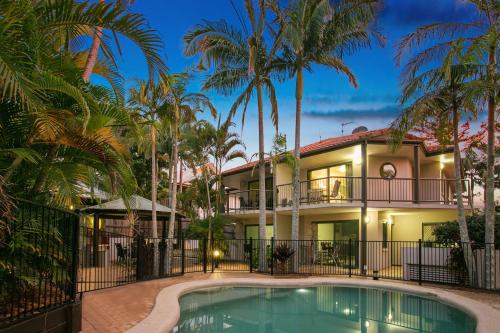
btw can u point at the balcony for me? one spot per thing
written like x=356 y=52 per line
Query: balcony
x=247 y=200
x=337 y=190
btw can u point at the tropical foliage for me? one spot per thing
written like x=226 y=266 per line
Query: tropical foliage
x=458 y=73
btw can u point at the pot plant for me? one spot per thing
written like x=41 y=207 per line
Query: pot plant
x=282 y=253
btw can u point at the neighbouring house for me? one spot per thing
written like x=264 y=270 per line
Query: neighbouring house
x=352 y=187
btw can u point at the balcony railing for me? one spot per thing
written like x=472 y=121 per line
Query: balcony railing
x=323 y=190
x=237 y=201
x=349 y=189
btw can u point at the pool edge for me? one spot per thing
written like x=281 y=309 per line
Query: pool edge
x=166 y=311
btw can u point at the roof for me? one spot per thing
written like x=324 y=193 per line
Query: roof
x=379 y=135
x=136 y=203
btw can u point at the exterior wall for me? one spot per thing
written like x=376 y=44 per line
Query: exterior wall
x=283 y=174
x=430 y=170
x=403 y=166
x=409 y=227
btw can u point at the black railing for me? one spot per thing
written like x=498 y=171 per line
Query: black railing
x=39 y=253
x=417 y=261
x=237 y=201
x=338 y=190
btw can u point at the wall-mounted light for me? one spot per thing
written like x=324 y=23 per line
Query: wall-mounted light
x=357 y=158
x=441 y=165
x=367 y=324
x=342 y=168
x=367 y=219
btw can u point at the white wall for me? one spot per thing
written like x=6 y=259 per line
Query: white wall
x=409 y=227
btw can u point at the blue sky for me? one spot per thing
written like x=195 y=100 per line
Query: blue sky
x=329 y=100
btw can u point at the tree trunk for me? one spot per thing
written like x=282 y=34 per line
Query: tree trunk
x=489 y=205
x=173 y=193
x=154 y=185
x=209 y=211
x=262 y=185
x=94 y=51
x=299 y=86
x=180 y=175
x=41 y=179
x=462 y=223
x=10 y=170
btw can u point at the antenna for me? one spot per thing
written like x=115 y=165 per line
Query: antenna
x=345 y=124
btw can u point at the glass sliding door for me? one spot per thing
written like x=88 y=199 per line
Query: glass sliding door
x=333 y=242
x=331 y=184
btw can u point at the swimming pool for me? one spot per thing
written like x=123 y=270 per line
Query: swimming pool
x=324 y=308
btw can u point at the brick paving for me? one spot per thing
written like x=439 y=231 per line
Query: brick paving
x=119 y=308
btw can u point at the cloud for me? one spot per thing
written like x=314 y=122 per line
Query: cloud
x=387 y=113
x=332 y=99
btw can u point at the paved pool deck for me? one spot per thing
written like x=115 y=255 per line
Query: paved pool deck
x=120 y=308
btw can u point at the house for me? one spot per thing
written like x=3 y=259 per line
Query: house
x=352 y=187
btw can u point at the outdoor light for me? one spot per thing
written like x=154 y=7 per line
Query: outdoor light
x=367 y=219
x=302 y=290
x=441 y=165
x=347 y=311
x=357 y=155
x=216 y=258
x=367 y=324
x=342 y=168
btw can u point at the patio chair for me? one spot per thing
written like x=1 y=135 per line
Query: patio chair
x=243 y=203
x=335 y=189
x=120 y=251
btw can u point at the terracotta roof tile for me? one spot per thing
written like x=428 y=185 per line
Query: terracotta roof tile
x=332 y=143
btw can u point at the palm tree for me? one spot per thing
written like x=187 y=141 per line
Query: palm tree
x=135 y=29
x=320 y=32
x=474 y=44
x=241 y=59
x=225 y=149
x=440 y=93
x=148 y=100
x=199 y=143
x=180 y=105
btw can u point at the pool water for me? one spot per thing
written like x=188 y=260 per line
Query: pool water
x=317 y=309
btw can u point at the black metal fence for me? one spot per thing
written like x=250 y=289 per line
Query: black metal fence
x=38 y=260
x=46 y=258
x=129 y=260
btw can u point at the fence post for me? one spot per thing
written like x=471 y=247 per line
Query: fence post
x=205 y=243
x=350 y=257
x=420 y=261
x=140 y=258
x=272 y=255
x=251 y=255
x=212 y=253
x=183 y=252
x=74 y=259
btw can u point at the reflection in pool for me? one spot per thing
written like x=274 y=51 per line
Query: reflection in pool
x=317 y=309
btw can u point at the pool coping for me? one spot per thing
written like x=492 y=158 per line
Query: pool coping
x=166 y=311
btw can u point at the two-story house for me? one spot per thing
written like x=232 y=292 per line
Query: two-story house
x=352 y=187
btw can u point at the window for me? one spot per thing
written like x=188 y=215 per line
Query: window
x=387 y=170
x=252 y=231
x=428 y=233
x=331 y=183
